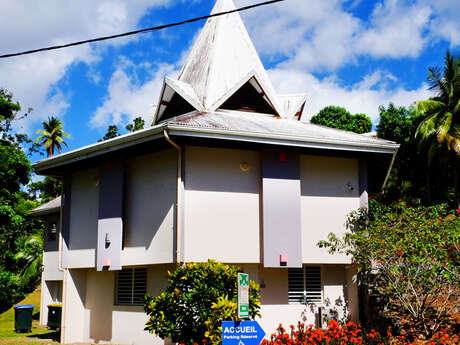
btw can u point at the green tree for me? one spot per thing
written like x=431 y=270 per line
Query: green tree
x=199 y=296
x=30 y=258
x=340 y=118
x=138 y=123
x=47 y=189
x=438 y=133
x=112 y=132
x=409 y=254
x=15 y=224
x=395 y=124
x=52 y=135
x=441 y=114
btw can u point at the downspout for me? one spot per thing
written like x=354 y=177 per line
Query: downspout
x=180 y=188
x=389 y=170
x=64 y=271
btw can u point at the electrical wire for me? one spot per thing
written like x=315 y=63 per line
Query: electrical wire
x=155 y=28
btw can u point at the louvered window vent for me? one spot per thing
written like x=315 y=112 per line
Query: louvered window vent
x=304 y=285
x=131 y=286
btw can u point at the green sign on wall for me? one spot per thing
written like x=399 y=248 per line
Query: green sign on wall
x=243 y=295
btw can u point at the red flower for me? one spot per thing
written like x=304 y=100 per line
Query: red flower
x=400 y=252
x=458 y=210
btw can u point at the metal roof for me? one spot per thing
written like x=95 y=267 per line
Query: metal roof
x=294 y=133
x=232 y=125
x=52 y=206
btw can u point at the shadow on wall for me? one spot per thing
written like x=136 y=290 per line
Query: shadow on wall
x=99 y=302
x=222 y=170
x=329 y=177
x=150 y=196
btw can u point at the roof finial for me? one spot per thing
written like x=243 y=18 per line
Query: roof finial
x=223 y=6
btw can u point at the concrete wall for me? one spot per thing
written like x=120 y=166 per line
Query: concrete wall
x=274 y=297
x=96 y=319
x=75 y=325
x=149 y=220
x=51 y=249
x=326 y=201
x=91 y=315
x=80 y=251
x=221 y=205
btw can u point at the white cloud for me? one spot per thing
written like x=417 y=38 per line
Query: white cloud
x=446 y=24
x=128 y=98
x=396 y=29
x=27 y=25
x=325 y=35
x=362 y=97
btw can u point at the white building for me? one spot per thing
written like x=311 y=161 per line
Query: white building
x=226 y=172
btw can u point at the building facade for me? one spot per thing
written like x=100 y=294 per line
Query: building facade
x=228 y=171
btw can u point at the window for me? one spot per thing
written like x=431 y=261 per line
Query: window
x=131 y=286
x=304 y=285
x=51 y=230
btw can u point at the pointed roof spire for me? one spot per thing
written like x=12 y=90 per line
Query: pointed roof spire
x=223 y=55
x=222 y=60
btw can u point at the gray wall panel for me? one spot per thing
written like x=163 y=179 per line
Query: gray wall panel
x=65 y=219
x=281 y=209
x=110 y=222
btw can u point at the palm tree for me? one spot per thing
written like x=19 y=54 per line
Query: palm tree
x=439 y=130
x=31 y=257
x=441 y=123
x=51 y=135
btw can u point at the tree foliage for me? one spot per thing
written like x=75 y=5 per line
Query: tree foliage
x=47 y=190
x=409 y=254
x=340 y=118
x=138 y=124
x=199 y=296
x=15 y=224
x=112 y=130
x=412 y=178
x=438 y=132
x=440 y=127
x=52 y=135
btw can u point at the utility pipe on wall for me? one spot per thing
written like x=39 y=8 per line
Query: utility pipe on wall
x=180 y=188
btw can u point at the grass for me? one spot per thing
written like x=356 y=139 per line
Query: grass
x=40 y=334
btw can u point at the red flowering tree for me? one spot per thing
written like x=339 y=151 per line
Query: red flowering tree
x=409 y=254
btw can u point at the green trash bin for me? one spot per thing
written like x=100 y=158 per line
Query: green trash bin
x=54 y=316
x=23 y=318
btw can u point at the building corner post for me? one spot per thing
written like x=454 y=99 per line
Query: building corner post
x=179 y=201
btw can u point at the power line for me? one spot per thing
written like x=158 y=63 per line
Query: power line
x=155 y=28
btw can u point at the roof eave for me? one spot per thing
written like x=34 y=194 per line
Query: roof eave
x=99 y=148
x=282 y=139
x=44 y=212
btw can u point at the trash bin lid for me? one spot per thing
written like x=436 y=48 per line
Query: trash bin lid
x=24 y=306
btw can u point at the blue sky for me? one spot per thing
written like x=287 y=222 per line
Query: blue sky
x=356 y=53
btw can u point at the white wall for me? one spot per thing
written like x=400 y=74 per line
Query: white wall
x=75 y=324
x=81 y=252
x=274 y=297
x=221 y=205
x=325 y=202
x=149 y=219
x=51 y=266
x=109 y=323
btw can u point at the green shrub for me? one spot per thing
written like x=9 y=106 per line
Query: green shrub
x=409 y=254
x=199 y=296
x=10 y=290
